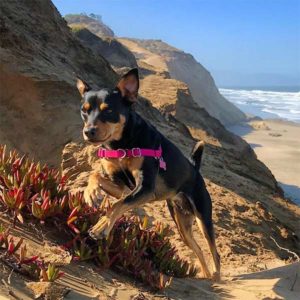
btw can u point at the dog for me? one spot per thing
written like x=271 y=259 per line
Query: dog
x=140 y=165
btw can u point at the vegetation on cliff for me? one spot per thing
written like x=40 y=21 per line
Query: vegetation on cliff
x=30 y=192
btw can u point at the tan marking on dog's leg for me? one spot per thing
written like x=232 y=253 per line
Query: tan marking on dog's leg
x=113 y=189
x=97 y=183
x=184 y=222
x=137 y=197
x=213 y=249
x=106 y=223
x=117 y=210
x=92 y=193
x=120 y=207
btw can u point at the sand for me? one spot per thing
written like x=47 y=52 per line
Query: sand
x=83 y=282
x=277 y=144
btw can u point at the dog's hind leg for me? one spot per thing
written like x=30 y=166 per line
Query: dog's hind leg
x=207 y=230
x=182 y=214
x=202 y=207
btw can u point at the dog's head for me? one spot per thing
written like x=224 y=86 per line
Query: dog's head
x=105 y=112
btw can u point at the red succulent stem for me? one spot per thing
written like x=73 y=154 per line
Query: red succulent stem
x=73 y=213
x=29 y=260
x=11 y=246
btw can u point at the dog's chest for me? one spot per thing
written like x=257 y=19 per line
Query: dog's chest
x=113 y=166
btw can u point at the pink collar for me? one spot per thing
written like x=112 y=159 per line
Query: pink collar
x=134 y=152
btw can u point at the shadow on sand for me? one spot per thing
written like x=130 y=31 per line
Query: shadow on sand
x=288 y=280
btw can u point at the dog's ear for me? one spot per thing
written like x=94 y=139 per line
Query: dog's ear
x=129 y=85
x=82 y=86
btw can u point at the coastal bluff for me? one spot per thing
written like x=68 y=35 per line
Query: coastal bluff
x=40 y=117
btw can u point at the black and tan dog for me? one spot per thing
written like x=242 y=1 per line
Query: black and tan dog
x=110 y=122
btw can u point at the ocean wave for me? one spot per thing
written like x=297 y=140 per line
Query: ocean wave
x=266 y=104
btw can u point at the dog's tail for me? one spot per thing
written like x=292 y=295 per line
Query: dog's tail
x=197 y=154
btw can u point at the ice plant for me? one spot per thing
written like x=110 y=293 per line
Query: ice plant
x=30 y=266
x=144 y=253
x=35 y=192
x=15 y=199
x=82 y=251
x=50 y=274
x=23 y=259
x=44 y=206
x=3 y=236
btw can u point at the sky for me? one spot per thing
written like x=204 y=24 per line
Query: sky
x=241 y=42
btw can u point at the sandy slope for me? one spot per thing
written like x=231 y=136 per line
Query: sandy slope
x=277 y=144
x=83 y=281
x=278 y=283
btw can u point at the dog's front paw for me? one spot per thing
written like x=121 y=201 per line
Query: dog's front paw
x=99 y=230
x=93 y=195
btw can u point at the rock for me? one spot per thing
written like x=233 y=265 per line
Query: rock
x=111 y=49
x=92 y=22
x=183 y=66
x=47 y=290
x=275 y=134
x=39 y=102
x=259 y=125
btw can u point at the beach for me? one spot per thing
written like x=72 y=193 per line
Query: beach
x=277 y=144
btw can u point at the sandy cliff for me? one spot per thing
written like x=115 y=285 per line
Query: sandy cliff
x=110 y=48
x=93 y=23
x=39 y=107
x=163 y=58
x=183 y=66
x=39 y=62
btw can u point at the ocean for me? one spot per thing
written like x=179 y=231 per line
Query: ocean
x=267 y=103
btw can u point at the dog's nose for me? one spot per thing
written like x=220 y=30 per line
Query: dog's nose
x=90 y=132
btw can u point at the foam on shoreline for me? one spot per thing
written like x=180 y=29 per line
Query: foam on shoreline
x=266 y=104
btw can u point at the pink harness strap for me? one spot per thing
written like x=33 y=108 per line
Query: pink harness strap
x=134 y=152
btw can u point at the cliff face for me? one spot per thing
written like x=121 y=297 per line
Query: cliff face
x=182 y=66
x=92 y=22
x=111 y=49
x=163 y=58
x=38 y=66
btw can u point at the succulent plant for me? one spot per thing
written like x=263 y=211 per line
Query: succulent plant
x=51 y=274
x=30 y=190
x=31 y=266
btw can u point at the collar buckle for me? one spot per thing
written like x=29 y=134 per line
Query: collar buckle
x=138 y=150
